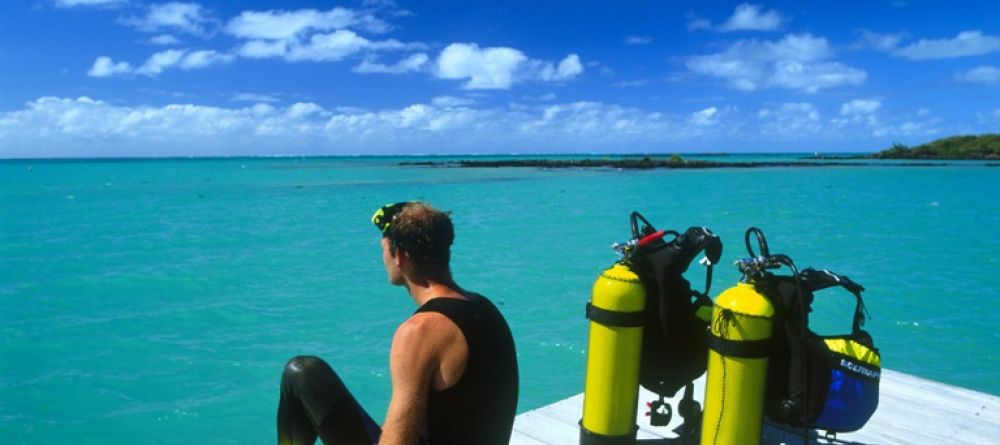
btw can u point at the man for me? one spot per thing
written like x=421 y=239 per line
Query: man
x=452 y=363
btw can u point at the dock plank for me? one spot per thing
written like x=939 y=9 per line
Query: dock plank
x=912 y=410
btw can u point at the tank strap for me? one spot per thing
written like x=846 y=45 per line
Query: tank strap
x=615 y=318
x=740 y=348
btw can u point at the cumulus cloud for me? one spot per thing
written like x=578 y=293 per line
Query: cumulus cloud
x=858 y=112
x=500 y=67
x=330 y=47
x=414 y=62
x=335 y=46
x=262 y=49
x=164 y=39
x=158 y=62
x=966 y=43
x=190 y=18
x=487 y=68
x=451 y=101
x=104 y=67
x=100 y=3
x=87 y=127
x=204 y=58
x=637 y=40
x=797 y=61
x=567 y=69
x=704 y=118
x=790 y=120
x=312 y=35
x=286 y=25
x=986 y=75
x=859 y=107
x=254 y=97
x=749 y=17
x=877 y=41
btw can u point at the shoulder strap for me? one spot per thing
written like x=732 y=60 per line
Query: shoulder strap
x=821 y=279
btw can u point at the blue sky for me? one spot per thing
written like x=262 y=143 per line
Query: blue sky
x=138 y=78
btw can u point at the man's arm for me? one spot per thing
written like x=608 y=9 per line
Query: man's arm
x=413 y=360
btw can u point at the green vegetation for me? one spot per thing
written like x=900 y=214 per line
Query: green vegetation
x=986 y=146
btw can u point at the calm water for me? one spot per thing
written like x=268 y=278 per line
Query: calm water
x=156 y=301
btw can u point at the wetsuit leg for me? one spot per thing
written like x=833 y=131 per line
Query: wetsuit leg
x=315 y=403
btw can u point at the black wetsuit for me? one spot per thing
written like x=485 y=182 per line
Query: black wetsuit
x=479 y=409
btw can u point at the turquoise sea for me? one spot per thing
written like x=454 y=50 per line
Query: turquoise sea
x=155 y=301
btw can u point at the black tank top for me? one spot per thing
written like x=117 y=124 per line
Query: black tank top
x=479 y=409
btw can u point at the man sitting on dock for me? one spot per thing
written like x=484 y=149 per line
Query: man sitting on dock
x=452 y=363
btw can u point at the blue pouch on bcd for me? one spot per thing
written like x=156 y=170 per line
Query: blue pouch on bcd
x=838 y=375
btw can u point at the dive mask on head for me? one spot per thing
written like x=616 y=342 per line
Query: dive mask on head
x=382 y=218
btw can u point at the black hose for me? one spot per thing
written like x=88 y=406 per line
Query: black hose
x=761 y=241
x=633 y=219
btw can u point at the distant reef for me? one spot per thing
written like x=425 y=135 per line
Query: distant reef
x=647 y=162
x=982 y=147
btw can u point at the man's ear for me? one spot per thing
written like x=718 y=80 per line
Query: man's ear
x=398 y=257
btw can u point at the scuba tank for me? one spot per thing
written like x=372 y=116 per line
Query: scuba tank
x=739 y=344
x=611 y=390
x=646 y=327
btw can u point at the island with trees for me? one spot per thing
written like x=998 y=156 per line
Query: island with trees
x=982 y=147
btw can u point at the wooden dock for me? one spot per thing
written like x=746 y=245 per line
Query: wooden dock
x=911 y=410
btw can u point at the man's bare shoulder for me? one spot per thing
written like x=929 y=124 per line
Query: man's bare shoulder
x=425 y=328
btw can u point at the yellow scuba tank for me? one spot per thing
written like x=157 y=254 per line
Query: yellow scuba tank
x=611 y=390
x=738 y=343
x=737 y=367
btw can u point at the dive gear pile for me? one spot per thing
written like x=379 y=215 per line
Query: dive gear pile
x=648 y=327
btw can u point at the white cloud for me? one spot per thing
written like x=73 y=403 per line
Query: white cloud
x=790 y=120
x=704 y=117
x=858 y=112
x=966 y=43
x=797 y=61
x=637 y=40
x=287 y=25
x=487 y=68
x=986 y=75
x=329 y=47
x=451 y=101
x=567 y=69
x=164 y=39
x=156 y=63
x=414 y=62
x=262 y=49
x=254 y=97
x=171 y=58
x=877 y=41
x=100 y=3
x=631 y=83
x=87 y=127
x=104 y=67
x=499 y=68
x=204 y=58
x=189 y=18
x=749 y=17
x=860 y=106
